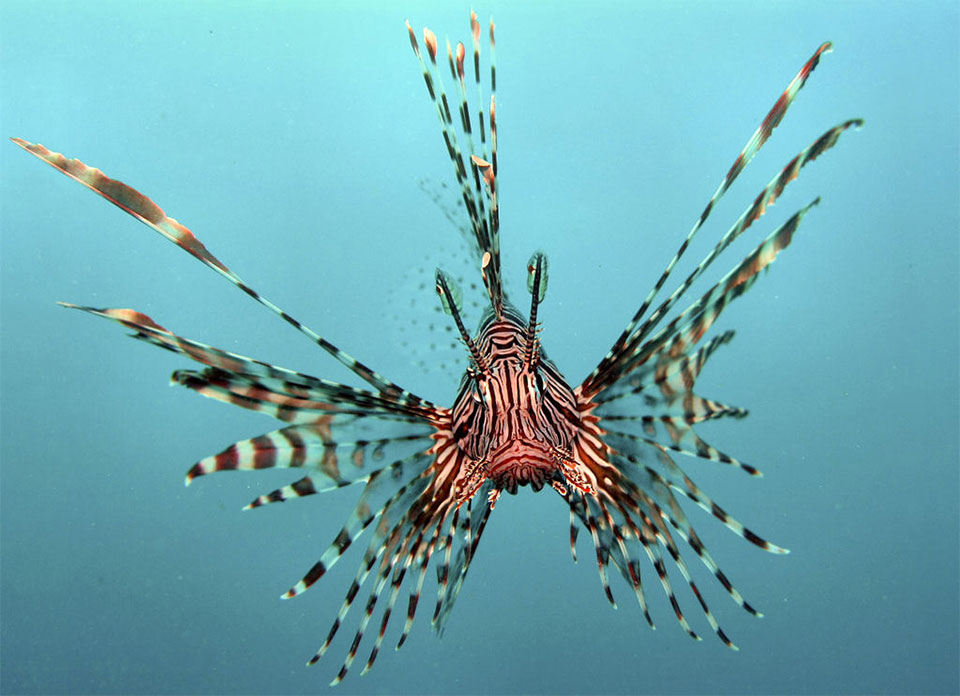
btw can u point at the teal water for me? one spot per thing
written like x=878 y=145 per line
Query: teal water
x=290 y=138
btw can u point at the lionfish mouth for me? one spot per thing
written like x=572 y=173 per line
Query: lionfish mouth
x=521 y=462
x=534 y=476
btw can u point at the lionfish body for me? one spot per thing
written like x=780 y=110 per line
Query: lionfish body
x=432 y=475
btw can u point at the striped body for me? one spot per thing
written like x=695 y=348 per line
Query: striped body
x=516 y=420
x=430 y=475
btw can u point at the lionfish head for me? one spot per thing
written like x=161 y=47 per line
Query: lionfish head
x=515 y=417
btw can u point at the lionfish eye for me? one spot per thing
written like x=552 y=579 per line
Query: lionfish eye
x=476 y=393
x=538 y=382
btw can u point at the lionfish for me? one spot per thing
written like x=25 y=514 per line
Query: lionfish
x=432 y=475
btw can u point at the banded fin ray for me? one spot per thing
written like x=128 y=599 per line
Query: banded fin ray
x=766 y=198
x=677 y=437
x=291 y=405
x=381 y=495
x=228 y=367
x=476 y=175
x=450 y=576
x=667 y=375
x=149 y=213
x=405 y=534
x=332 y=463
x=658 y=399
x=753 y=145
x=688 y=327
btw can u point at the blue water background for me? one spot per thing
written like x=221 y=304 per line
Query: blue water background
x=290 y=138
